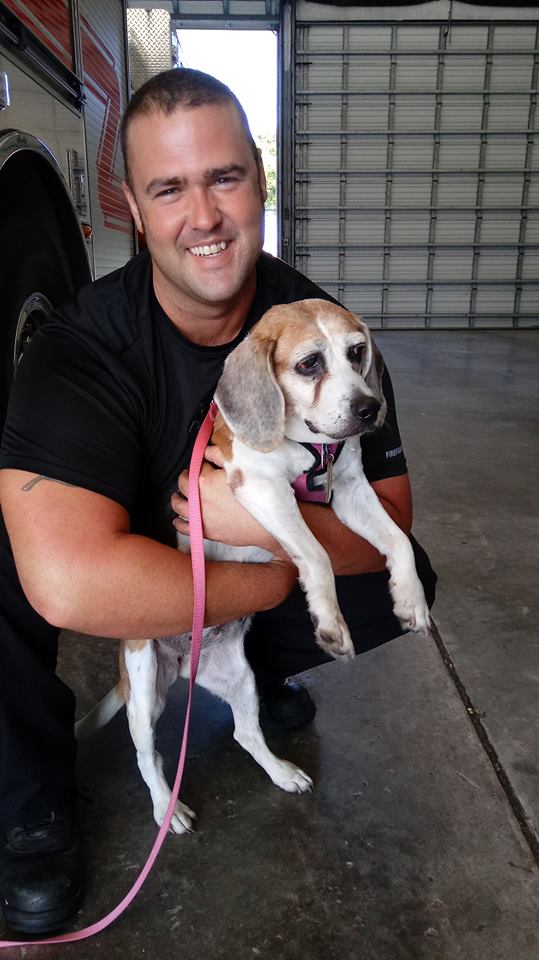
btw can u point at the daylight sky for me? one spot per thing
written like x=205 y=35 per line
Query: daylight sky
x=246 y=60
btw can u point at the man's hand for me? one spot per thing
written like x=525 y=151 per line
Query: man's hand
x=223 y=517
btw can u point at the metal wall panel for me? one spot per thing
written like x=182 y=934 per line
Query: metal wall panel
x=416 y=167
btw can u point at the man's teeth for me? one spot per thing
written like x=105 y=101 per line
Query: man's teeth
x=208 y=251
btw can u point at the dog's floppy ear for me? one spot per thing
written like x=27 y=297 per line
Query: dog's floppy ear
x=373 y=376
x=249 y=397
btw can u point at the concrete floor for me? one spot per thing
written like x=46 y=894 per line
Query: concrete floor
x=421 y=838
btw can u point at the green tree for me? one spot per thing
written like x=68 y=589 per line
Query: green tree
x=268 y=146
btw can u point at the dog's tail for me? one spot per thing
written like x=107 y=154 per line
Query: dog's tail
x=100 y=715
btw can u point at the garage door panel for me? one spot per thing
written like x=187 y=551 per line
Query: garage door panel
x=413 y=153
x=364 y=265
x=367 y=192
x=454 y=227
x=456 y=190
x=461 y=113
x=464 y=72
x=452 y=301
x=499 y=191
x=364 y=227
x=454 y=265
x=417 y=37
x=367 y=114
x=418 y=140
x=496 y=263
x=363 y=300
x=532 y=227
x=500 y=227
x=416 y=72
x=509 y=113
x=408 y=227
x=456 y=151
x=414 y=113
x=529 y=299
x=324 y=228
x=365 y=154
x=406 y=303
x=372 y=73
x=414 y=190
x=513 y=70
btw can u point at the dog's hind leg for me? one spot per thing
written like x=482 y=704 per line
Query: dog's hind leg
x=225 y=672
x=145 y=703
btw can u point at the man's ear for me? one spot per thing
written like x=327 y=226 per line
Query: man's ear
x=261 y=175
x=135 y=213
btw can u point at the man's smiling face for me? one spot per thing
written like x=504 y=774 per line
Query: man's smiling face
x=196 y=191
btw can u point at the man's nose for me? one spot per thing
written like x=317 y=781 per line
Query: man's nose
x=203 y=212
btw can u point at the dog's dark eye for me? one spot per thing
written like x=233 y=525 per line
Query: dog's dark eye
x=310 y=364
x=355 y=353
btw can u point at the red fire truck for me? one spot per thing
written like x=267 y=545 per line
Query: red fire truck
x=63 y=217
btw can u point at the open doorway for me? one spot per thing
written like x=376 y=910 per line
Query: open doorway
x=246 y=60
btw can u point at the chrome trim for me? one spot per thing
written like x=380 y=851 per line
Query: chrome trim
x=4 y=90
x=15 y=141
x=28 y=322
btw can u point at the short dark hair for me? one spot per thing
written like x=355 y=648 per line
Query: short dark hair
x=180 y=87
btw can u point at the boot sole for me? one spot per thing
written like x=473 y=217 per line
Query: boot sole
x=49 y=921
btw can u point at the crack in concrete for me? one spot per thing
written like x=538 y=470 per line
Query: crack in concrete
x=516 y=806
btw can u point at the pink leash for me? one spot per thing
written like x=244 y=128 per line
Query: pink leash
x=199 y=603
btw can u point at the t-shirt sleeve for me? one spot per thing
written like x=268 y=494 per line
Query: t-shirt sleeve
x=73 y=415
x=382 y=451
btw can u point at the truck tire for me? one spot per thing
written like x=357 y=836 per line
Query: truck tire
x=34 y=278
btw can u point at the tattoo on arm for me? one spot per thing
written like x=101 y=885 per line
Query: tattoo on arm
x=31 y=483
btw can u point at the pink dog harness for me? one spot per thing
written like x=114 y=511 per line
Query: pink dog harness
x=315 y=484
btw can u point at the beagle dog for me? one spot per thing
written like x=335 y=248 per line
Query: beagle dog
x=294 y=400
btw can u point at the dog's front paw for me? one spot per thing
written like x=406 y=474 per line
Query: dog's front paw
x=290 y=778
x=182 y=819
x=409 y=604
x=334 y=638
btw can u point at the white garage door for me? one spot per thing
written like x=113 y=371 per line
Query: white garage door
x=415 y=172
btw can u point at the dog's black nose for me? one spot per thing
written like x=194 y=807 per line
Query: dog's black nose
x=366 y=409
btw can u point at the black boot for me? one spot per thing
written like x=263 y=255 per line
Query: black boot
x=286 y=703
x=41 y=874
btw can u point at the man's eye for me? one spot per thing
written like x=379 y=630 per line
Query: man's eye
x=310 y=364
x=355 y=353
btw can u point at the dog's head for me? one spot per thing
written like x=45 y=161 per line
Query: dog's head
x=308 y=371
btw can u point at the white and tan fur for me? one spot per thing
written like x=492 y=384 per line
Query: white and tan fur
x=308 y=372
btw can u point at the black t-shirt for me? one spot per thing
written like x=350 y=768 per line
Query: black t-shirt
x=109 y=394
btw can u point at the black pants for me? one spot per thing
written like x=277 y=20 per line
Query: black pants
x=37 y=745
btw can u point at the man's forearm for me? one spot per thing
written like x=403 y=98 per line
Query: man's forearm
x=81 y=568
x=140 y=588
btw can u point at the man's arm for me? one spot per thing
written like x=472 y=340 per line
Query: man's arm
x=225 y=519
x=349 y=553
x=82 y=569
